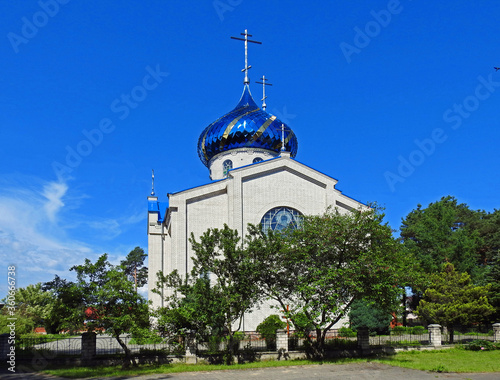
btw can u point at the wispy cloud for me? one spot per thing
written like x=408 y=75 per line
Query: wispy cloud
x=30 y=234
x=38 y=224
x=54 y=192
x=43 y=231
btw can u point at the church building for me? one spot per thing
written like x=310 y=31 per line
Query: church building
x=250 y=155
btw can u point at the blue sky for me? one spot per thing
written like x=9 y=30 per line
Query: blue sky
x=398 y=100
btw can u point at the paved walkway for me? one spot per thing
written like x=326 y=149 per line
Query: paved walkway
x=359 y=371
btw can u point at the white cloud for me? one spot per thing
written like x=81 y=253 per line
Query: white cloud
x=54 y=191
x=30 y=236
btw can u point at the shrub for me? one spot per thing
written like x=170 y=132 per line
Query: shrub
x=247 y=354
x=398 y=330
x=268 y=327
x=347 y=332
x=417 y=330
x=340 y=344
x=482 y=345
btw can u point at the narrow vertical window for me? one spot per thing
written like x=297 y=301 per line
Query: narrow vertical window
x=226 y=166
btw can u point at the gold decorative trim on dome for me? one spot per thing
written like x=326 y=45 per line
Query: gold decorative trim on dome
x=288 y=138
x=231 y=125
x=264 y=126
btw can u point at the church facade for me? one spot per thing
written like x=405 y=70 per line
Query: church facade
x=255 y=179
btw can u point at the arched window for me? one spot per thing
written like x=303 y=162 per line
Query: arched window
x=226 y=166
x=257 y=159
x=280 y=218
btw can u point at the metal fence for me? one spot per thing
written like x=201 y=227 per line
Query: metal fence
x=400 y=339
x=333 y=341
x=27 y=347
x=246 y=343
x=105 y=345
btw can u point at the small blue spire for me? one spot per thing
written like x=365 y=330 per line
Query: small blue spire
x=246 y=99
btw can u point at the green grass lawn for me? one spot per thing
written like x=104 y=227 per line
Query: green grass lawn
x=451 y=360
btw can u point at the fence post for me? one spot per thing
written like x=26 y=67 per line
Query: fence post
x=191 y=349
x=282 y=342
x=363 y=335
x=88 y=346
x=496 y=332
x=434 y=335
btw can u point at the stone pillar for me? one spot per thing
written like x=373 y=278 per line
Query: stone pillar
x=88 y=346
x=281 y=340
x=434 y=335
x=363 y=338
x=496 y=332
x=282 y=344
x=191 y=350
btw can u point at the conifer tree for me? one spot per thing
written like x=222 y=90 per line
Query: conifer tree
x=452 y=300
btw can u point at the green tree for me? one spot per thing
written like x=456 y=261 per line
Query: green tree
x=23 y=324
x=320 y=269
x=493 y=279
x=102 y=298
x=268 y=327
x=368 y=314
x=34 y=304
x=489 y=230
x=453 y=300
x=134 y=267
x=445 y=231
x=212 y=299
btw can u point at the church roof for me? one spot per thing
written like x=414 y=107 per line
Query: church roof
x=246 y=126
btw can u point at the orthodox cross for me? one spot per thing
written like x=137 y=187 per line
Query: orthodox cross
x=245 y=70
x=283 y=137
x=264 y=84
x=153 y=182
x=285 y=317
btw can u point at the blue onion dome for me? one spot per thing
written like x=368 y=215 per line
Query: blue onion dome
x=246 y=126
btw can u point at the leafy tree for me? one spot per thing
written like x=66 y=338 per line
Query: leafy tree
x=34 y=305
x=320 y=269
x=453 y=300
x=368 y=314
x=68 y=296
x=102 y=298
x=445 y=231
x=24 y=325
x=221 y=287
x=134 y=267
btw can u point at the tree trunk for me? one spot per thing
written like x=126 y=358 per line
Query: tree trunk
x=451 y=332
x=316 y=348
x=230 y=351
x=128 y=355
